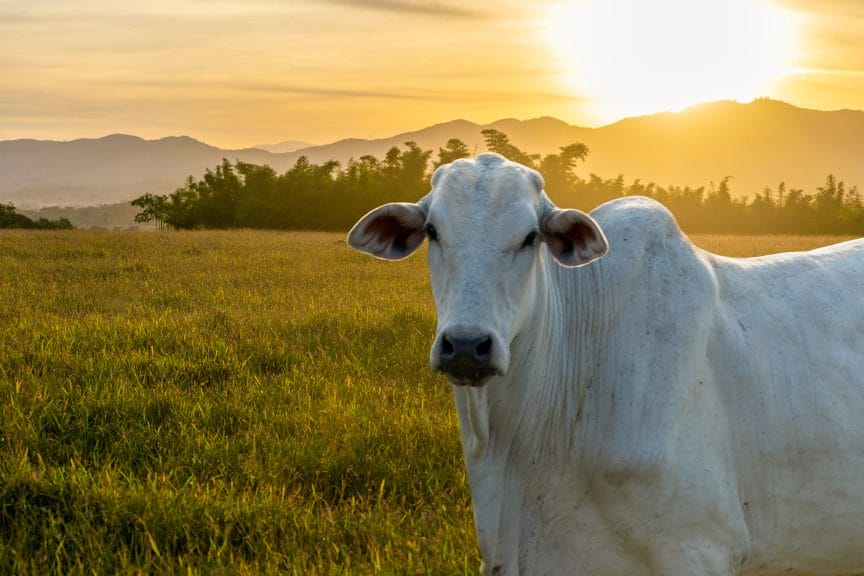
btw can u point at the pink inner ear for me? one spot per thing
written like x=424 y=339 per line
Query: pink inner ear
x=385 y=226
x=582 y=236
x=560 y=246
x=572 y=239
x=391 y=230
x=576 y=239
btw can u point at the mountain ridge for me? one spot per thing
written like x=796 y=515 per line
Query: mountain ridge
x=758 y=144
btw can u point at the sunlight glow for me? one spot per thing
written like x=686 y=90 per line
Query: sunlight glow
x=632 y=57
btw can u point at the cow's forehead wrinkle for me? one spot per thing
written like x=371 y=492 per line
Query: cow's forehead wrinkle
x=490 y=220
x=472 y=196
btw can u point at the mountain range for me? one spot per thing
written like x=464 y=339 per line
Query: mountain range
x=759 y=144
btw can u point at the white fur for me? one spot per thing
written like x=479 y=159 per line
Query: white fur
x=661 y=410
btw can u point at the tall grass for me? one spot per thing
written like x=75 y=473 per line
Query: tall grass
x=225 y=403
x=222 y=403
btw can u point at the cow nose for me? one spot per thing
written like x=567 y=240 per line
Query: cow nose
x=477 y=349
x=466 y=359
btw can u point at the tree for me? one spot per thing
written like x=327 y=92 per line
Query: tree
x=219 y=194
x=498 y=142
x=720 y=209
x=183 y=207
x=10 y=218
x=328 y=197
x=413 y=178
x=154 y=208
x=558 y=170
x=454 y=150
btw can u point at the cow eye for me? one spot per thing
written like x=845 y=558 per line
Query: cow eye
x=530 y=239
x=431 y=232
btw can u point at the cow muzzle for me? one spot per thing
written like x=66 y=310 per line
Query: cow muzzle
x=468 y=357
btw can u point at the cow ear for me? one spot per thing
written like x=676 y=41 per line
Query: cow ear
x=573 y=237
x=392 y=231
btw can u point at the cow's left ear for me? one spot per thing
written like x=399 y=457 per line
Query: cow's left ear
x=573 y=237
x=392 y=231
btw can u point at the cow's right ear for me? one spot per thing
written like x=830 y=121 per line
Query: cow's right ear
x=573 y=237
x=392 y=231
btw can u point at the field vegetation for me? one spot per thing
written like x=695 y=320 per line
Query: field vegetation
x=10 y=218
x=242 y=402
x=331 y=197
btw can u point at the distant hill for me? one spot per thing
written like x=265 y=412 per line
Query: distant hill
x=540 y=135
x=115 y=168
x=758 y=144
x=117 y=216
x=284 y=146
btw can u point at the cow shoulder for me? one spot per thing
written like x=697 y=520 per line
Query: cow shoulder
x=659 y=307
x=645 y=242
x=659 y=300
x=638 y=221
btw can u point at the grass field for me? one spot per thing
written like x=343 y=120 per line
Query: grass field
x=229 y=403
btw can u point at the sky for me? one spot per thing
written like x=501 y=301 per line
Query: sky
x=236 y=74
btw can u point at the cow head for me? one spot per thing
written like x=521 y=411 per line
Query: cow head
x=485 y=219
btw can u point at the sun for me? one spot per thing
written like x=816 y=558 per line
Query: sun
x=632 y=57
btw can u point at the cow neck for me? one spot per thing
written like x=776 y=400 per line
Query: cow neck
x=521 y=432
x=555 y=359
x=539 y=406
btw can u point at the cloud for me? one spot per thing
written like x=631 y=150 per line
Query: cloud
x=836 y=7
x=263 y=87
x=418 y=7
x=318 y=91
x=838 y=72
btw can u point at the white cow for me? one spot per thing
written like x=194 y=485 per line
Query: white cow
x=661 y=410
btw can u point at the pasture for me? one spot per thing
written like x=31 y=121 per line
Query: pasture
x=229 y=403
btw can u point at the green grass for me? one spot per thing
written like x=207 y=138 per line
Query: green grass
x=222 y=403
x=227 y=403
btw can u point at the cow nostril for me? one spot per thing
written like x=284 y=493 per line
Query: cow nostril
x=446 y=347
x=484 y=349
x=466 y=359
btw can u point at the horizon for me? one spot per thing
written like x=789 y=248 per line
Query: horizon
x=238 y=77
x=263 y=145
x=758 y=144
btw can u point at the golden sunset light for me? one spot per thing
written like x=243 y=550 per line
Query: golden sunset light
x=620 y=332
x=319 y=70
x=630 y=57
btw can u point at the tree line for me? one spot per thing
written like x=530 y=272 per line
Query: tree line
x=10 y=218
x=330 y=196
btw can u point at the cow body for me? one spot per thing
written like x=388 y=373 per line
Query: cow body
x=677 y=413
x=665 y=411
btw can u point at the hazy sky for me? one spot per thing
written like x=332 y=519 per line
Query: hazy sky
x=236 y=73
